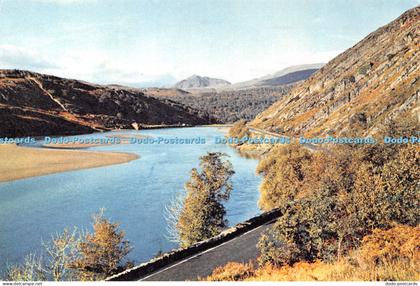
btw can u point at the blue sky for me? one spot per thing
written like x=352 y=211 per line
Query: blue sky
x=157 y=42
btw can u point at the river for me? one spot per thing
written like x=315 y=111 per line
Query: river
x=133 y=194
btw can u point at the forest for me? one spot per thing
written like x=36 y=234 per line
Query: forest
x=349 y=212
x=231 y=105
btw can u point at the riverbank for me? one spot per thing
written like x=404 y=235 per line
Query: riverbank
x=22 y=162
x=122 y=139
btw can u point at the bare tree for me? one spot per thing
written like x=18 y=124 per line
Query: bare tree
x=32 y=269
x=61 y=252
x=172 y=212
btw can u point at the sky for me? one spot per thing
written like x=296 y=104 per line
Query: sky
x=156 y=42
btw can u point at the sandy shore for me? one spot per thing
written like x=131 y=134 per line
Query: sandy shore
x=79 y=145
x=124 y=139
x=22 y=162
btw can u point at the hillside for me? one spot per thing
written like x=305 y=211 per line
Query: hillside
x=376 y=79
x=285 y=76
x=198 y=82
x=243 y=100
x=228 y=106
x=37 y=104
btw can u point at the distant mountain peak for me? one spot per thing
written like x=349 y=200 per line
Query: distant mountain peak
x=197 y=81
x=285 y=76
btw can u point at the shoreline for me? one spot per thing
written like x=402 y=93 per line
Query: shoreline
x=150 y=127
x=20 y=162
x=23 y=162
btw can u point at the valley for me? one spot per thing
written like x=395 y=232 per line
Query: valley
x=307 y=173
x=33 y=104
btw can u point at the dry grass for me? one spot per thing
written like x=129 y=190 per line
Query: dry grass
x=343 y=270
x=21 y=162
x=233 y=271
x=385 y=255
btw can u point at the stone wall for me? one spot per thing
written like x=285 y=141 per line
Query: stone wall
x=173 y=256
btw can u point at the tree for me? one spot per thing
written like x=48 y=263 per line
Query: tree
x=239 y=131
x=31 y=270
x=284 y=172
x=203 y=213
x=101 y=253
x=53 y=262
x=61 y=252
x=350 y=197
x=71 y=255
x=401 y=178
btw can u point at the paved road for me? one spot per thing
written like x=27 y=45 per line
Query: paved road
x=309 y=146
x=239 y=249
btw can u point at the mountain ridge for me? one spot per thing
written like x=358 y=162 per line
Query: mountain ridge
x=197 y=82
x=372 y=81
x=287 y=75
x=237 y=101
x=33 y=104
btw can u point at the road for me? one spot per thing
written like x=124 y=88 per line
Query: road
x=309 y=146
x=240 y=249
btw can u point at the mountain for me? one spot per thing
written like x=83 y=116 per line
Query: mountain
x=244 y=100
x=285 y=76
x=34 y=104
x=376 y=79
x=198 y=82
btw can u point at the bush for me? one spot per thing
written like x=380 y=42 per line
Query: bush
x=101 y=253
x=332 y=200
x=232 y=271
x=239 y=130
x=363 y=70
x=284 y=172
x=276 y=252
x=32 y=269
x=385 y=255
x=72 y=256
x=400 y=243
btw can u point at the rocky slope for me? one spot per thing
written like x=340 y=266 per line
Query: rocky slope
x=35 y=104
x=198 y=82
x=376 y=79
x=285 y=76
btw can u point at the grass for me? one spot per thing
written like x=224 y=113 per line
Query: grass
x=385 y=255
x=344 y=270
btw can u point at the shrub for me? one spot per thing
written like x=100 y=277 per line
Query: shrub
x=232 y=271
x=332 y=200
x=401 y=178
x=276 y=252
x=364 y=69
x=101 y=253
x=400 y=243
x=53 y=262
x=384 y=255
x=284 y=172
x=203 y=214
x=239 y=130
x=32 y=269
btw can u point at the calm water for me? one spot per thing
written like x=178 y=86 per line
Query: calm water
x=133 y=194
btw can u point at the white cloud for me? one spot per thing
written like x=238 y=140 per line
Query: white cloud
x=149 y=65
x=24 y=58
x=89 y=65
x=236 y=69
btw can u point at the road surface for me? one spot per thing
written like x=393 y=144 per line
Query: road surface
x=240 y=249
x=309 y=146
